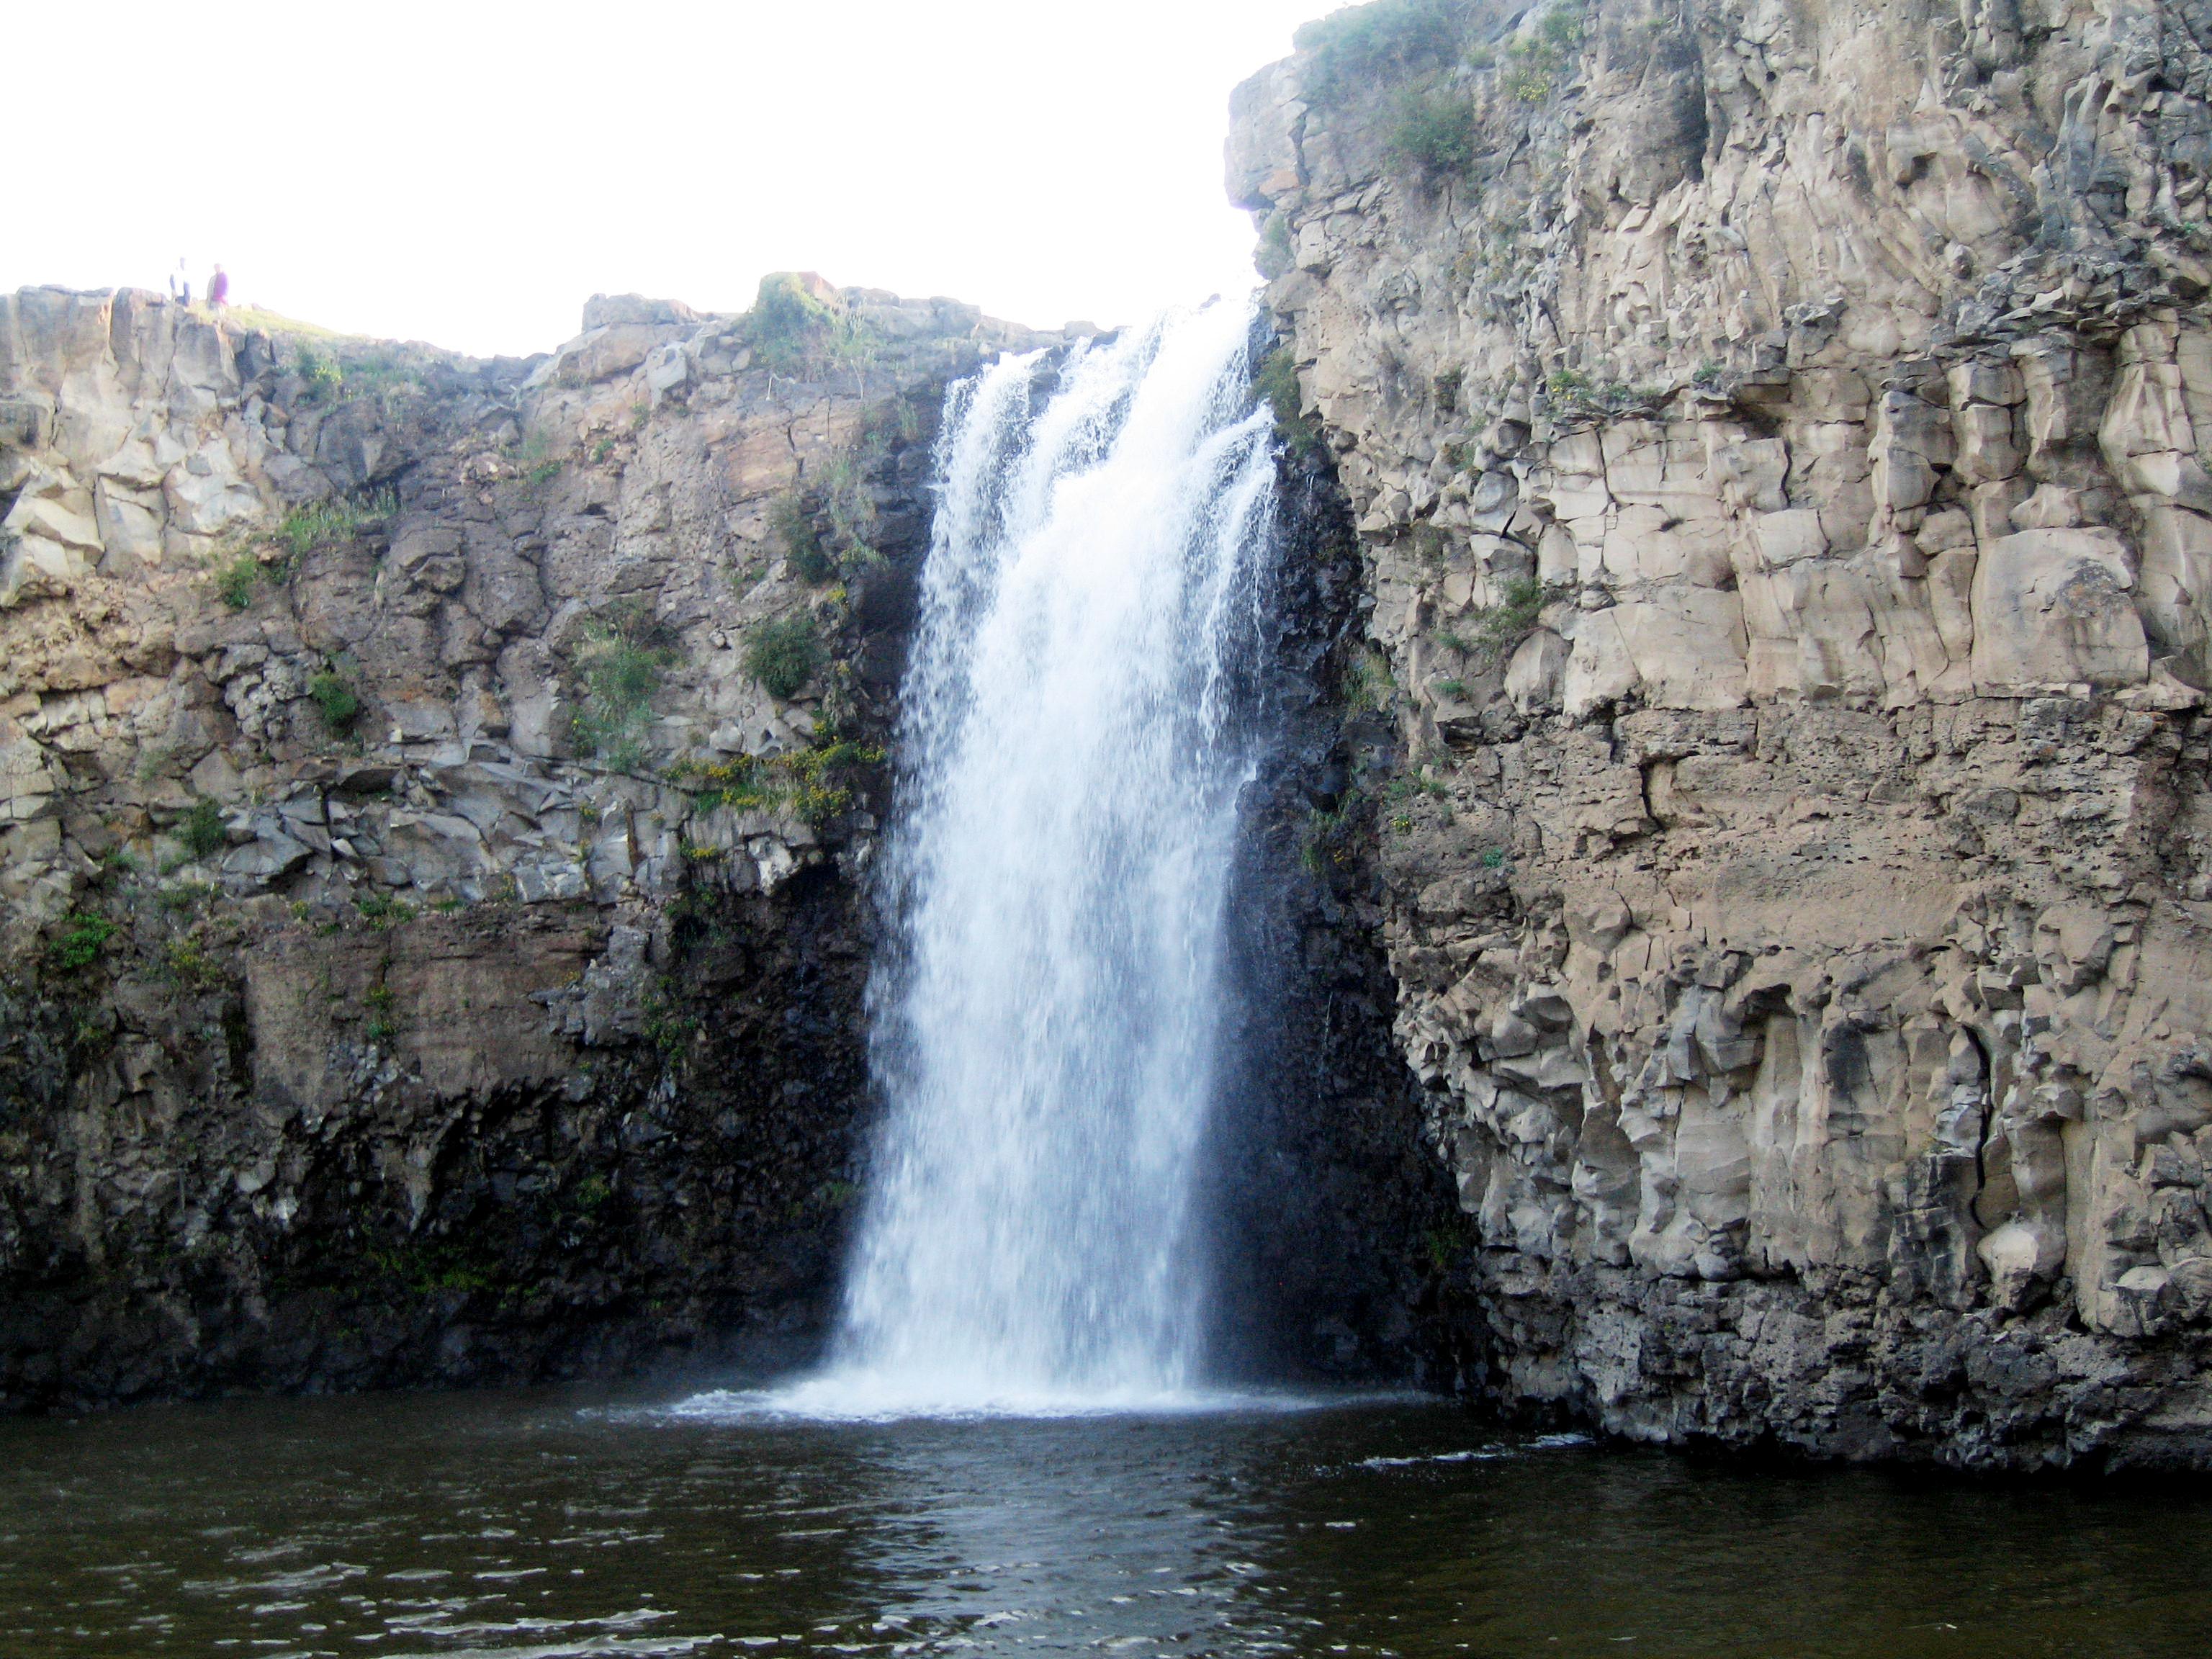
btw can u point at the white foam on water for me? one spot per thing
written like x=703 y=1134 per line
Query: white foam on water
x=835 y=1397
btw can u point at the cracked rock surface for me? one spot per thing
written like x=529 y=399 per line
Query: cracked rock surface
x=1778 y=447
x=361 y=1021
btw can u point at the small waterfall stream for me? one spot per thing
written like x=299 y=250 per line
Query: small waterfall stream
x=1077 y=731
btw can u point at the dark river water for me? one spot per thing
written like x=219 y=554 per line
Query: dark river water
x=548 y=1523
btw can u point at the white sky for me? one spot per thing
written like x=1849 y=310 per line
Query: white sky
x=469 y=173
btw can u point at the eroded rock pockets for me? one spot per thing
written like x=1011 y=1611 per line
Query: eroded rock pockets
x=1779 y=439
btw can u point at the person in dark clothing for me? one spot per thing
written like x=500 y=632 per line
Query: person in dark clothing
x=218 y=289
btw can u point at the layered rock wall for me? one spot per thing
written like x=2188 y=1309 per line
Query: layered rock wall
x=1779 y=438
x=433 y=943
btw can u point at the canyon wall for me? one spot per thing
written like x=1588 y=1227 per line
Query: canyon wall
x=1778 y=436
x=433 y=797
x=437 y=806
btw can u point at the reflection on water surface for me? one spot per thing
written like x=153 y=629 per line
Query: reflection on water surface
x=549 y=1524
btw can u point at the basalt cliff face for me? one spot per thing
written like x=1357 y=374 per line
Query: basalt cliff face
x=1778 y=440
x=432 y=798
x=437 y=801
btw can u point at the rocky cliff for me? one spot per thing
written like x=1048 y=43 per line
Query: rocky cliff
x=431 y=798
x=436 y=805
x=1778 y=437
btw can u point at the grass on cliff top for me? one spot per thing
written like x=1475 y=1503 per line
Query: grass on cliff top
x=1362 y=45
x=793 y=332
x=251 y=317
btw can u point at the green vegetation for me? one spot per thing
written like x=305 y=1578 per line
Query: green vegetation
x=1277 y=381
x=813 y=785
x=851 y=504
x=186 y=897
x=816 y=795
x=81 y=941
x=741 y=783
x=235 y=582
x=202 y=830
x=1404 y=788
x=1492 y=860
x=1361 y=45
x=1368 y=685
x=382 y=910
x=1447 y=1244
x=424 y=1268
x=380 y=1026
x=792 y=526
x=623 y=654
x=1274 y=256
x=1537 y=60
x=185 y=962
x=784 y=654
x=668 y=1026
x=251 y=317
x=539 y=465
x=320 y=377
x=379 y=374
x=335 y=701
x=1497 y=629
x=793 y=330
x=1575 y=395
x=1330 y=833
x=1434 y=132
x=335 y=519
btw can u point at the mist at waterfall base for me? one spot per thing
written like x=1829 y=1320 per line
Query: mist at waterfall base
x=1078 y=725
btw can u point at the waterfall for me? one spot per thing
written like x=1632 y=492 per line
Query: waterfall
x=1076 y=730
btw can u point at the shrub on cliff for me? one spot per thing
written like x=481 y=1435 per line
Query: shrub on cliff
x=791 y=524
x=621 y=658
x=1435 y=133
x=792 y=330
x=783 y=654
x=335 y=519
x=1378 y=43
x=1277 y=381
x=81 y=941
x=335 y=701
x=235 y=583
x=202 y=830
x=320 y=377
x=1539 y=59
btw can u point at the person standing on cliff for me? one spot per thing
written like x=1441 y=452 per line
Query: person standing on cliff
x=218 y=288
x=180 y=284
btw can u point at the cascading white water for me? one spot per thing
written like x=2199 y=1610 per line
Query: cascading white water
x=1073 y=746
